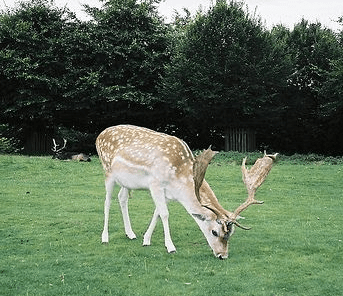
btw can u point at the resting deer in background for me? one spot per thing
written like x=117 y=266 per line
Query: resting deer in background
x=63 y=155
x=139 y=158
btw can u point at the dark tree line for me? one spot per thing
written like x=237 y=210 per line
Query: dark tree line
x=61 y=76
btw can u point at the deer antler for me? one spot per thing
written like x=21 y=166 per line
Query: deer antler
x=253 y=179
x=199 y=169
x=54 y=149
x=208 y=200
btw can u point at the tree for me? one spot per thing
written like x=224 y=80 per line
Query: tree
x=332 y=107
x=129 y=56
x=312 y=50
x=225 y=70
x=32 y=63
x=60 y=72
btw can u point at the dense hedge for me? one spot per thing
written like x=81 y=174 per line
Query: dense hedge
x=63 y=77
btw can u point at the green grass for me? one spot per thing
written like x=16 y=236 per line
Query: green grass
x=52 y=217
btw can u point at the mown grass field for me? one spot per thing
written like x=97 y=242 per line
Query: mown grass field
x=51 y=218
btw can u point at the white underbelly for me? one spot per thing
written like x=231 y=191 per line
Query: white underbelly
x=139 y=180
x=136 y=176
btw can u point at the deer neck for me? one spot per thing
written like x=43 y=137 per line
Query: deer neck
x=210 y=201
x=208 y=205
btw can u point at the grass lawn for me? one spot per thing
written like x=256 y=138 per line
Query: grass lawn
x=51 y=218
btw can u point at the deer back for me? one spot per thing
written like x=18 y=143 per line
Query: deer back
x=144 y=149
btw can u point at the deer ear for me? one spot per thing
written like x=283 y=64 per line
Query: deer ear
x=205 y=217
x=199 y=216
x=199 y=169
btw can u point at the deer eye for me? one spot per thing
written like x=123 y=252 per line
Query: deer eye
x=215 y=233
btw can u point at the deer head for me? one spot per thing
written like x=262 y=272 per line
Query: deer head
x=225 y=220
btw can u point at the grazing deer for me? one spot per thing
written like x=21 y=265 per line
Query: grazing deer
x=63 y=155
x=139 y=158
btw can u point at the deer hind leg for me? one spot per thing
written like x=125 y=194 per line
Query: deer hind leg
x=161 y=210
x=109 y=185
x=123 y=197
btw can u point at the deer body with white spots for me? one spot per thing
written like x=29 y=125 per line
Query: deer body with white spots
x=139 y=158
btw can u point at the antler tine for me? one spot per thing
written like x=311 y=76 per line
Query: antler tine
x=253 y=179
x=54 y=149
x=64 y=145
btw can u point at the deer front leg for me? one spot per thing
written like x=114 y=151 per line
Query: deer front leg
x=123 y=197
x=109 y=184
x=161 y=210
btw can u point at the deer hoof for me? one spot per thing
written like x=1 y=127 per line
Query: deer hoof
x=104 y=238
x=171 y=250
x=131 y=236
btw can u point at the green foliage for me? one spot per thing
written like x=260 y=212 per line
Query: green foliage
x=31 y=58
x=5 y=146
x=225 y=70
x=52 y=218
x=313 y=52
x=131 y=43
x=32 y=65
x=76 y=140
x=195 y=77
x=56 y=70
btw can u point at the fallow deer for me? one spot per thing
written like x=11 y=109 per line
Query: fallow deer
x=63 y=155
x=139 y=158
